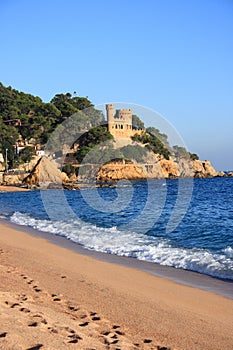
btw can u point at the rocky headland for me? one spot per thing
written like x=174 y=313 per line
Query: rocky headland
x=44 y=173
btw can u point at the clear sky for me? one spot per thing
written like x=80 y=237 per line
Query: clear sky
x=173 y=56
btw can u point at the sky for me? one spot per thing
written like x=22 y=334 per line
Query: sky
x=171 y=56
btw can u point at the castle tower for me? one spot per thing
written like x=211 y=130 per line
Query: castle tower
x=110 y=115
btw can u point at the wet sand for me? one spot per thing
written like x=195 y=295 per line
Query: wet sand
x=52 y=297
x=12 y=189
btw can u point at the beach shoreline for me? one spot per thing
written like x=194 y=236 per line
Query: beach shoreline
x=9 y=188
x=185 y=277
x=62 y=285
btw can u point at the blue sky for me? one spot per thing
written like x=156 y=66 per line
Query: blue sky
x=172 y=56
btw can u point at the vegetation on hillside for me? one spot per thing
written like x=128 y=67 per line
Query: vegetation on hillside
x=89 y=142
x=152 y=143
x=134 y=152
x=181 y=152
x=27 y=117
x=137 y=122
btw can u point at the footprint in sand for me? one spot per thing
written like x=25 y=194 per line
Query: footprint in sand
x=74 y=338
x=147 y=341
x=12 y=305
x=33 y=324
x=53 y=330
x=3 y=335
x=96 y=318
x=73 y=308
x=115 y=326
x=24 y=309
x=56 y=299
x=36 y=347
x=39 y=318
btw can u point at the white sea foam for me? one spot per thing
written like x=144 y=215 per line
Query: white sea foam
x=228 y=251
x=140 y=246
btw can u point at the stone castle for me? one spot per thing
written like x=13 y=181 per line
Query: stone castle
x=120 y=124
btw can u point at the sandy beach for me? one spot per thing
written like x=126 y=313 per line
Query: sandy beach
x=12 y=189
x=53 y=298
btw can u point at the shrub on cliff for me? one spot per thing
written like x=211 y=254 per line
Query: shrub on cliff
x=69 y=169
x=152 y=143
x=135 y=152
x=89 y=142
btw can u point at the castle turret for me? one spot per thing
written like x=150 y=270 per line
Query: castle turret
x=110 y=115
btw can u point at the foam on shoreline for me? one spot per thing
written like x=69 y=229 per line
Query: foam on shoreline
x=220 y=286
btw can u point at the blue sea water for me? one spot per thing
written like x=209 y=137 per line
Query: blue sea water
x=133 y=220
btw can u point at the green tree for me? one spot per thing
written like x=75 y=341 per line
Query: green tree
x=162 y=137
x=8 y=137
x=193 y=156
x=180 y=152
x=68 y=169
x=26 y=154
x=137 y=122
x=90 y=140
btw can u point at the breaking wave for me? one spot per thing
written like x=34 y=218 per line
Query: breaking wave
x=131 y=244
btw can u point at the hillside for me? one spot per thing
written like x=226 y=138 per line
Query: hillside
x=27 y=119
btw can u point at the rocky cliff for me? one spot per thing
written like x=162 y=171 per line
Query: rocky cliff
x=160 y=169
x=119 y=170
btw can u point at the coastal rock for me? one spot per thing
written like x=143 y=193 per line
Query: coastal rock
x=185 y=167
x=222 y=174
x=64 y=177
x=28 y=167
x=209 y=169
x=12 y=179
x=161 y=168
x=169 y=168
x=203 y=169
x=44 y=174
x=119 y=170
x=72 y=178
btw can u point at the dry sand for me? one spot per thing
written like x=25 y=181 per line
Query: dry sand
x=54 y=298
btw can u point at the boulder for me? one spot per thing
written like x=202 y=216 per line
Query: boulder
x=64 y=177
x=44 y=173
x=73 y=178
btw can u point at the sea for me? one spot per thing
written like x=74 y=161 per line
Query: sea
x=185 y=224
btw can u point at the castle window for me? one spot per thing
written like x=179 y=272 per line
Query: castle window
x=121 y=126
